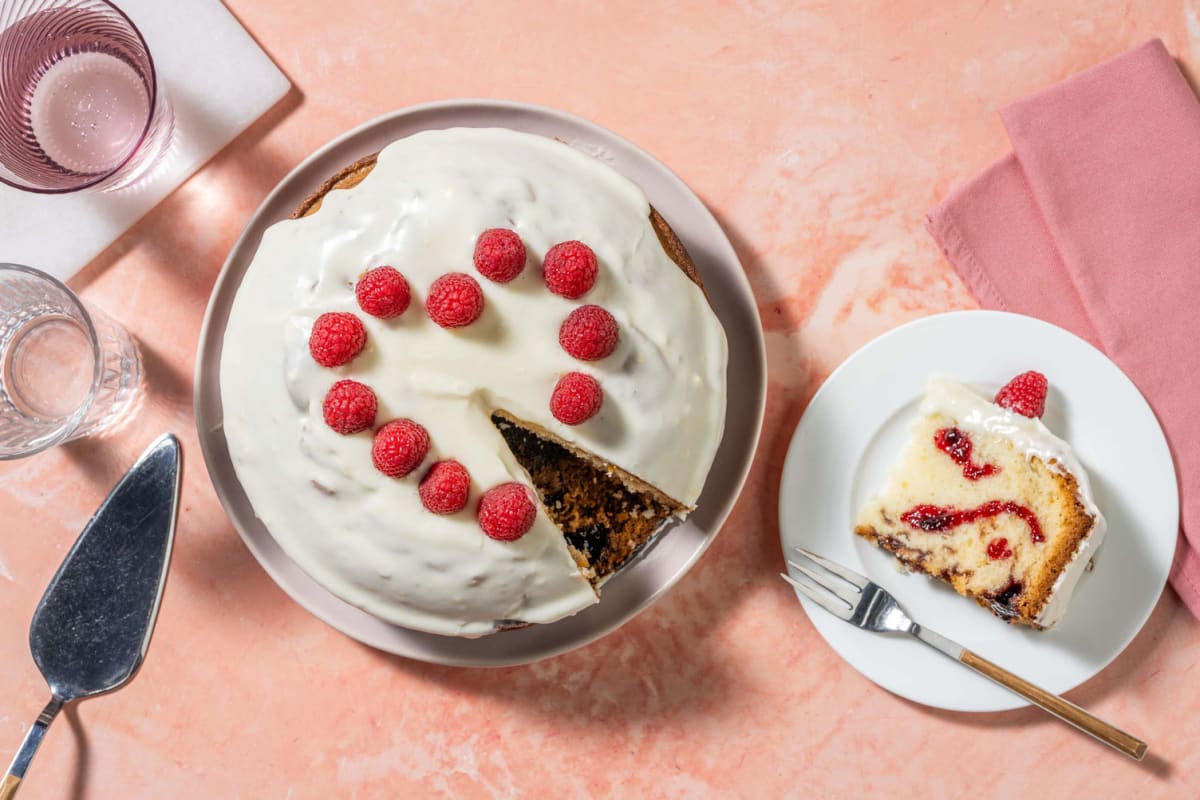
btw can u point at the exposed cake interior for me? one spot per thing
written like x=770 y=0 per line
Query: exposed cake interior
x=606 y=514
x=989 y=502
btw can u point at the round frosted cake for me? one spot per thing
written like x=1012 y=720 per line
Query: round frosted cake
x=470 y=379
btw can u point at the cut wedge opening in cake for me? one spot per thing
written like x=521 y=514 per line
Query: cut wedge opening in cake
x=606 y=514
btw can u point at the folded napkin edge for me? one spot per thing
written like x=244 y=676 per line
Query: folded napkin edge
x=1154 y=43
x=941 y=225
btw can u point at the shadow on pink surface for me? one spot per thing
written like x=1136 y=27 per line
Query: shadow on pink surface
x=164 y=383
x=645 y=673
x=164 y=392
x=83 y=754
x=784 y=406
x=1189 y=76
x=668 y=666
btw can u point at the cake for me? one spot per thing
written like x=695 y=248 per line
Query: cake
x=470 y=379
x=987 y=499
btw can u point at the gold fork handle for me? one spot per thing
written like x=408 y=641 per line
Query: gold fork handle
x=1065 y=710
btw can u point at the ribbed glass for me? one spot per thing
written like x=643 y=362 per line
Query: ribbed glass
x=66 y=370
x=70 y=69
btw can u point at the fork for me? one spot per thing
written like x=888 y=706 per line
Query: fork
x=851 y=597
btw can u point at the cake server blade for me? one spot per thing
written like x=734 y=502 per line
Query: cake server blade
x=92 y=627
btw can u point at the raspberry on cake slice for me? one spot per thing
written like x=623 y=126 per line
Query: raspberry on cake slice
x=986 y=498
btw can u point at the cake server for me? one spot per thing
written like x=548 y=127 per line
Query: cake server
x=853 y=598
x=91 y=629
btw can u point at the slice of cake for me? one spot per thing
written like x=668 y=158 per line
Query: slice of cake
x=986 y=498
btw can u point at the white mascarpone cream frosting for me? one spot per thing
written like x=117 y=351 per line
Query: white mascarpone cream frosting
x=974 y=413
x=366 y=537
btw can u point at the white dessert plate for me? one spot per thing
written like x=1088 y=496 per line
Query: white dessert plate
x=855 y=427
x=664 y=563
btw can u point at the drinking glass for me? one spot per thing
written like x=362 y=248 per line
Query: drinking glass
x=81 y=106
x=66 y=370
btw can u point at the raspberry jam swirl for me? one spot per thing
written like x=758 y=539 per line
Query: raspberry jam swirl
x=998 y=549
x=938 y=519
x=958 y=446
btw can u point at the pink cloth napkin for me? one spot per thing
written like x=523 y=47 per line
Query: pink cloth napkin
x=1093 y=223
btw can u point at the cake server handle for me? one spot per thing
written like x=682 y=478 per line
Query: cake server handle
x=16 y=772
x=1065 y=710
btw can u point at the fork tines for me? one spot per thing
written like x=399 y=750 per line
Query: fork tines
x=848 y=575
x=837 y=592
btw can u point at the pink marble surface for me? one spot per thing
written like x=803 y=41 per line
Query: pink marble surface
x=818 y=134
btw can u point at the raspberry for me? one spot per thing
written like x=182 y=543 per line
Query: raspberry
x=445 y=487
x=399 y=447
x=1024 y=394
x=454 y=300
x=499 y=255
x=506 y=512
x=576 y=398
x=350 y=407
x=589 y=333
x=998 y=549
x=336 y=339
x=570 y=269
x=382 y=292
